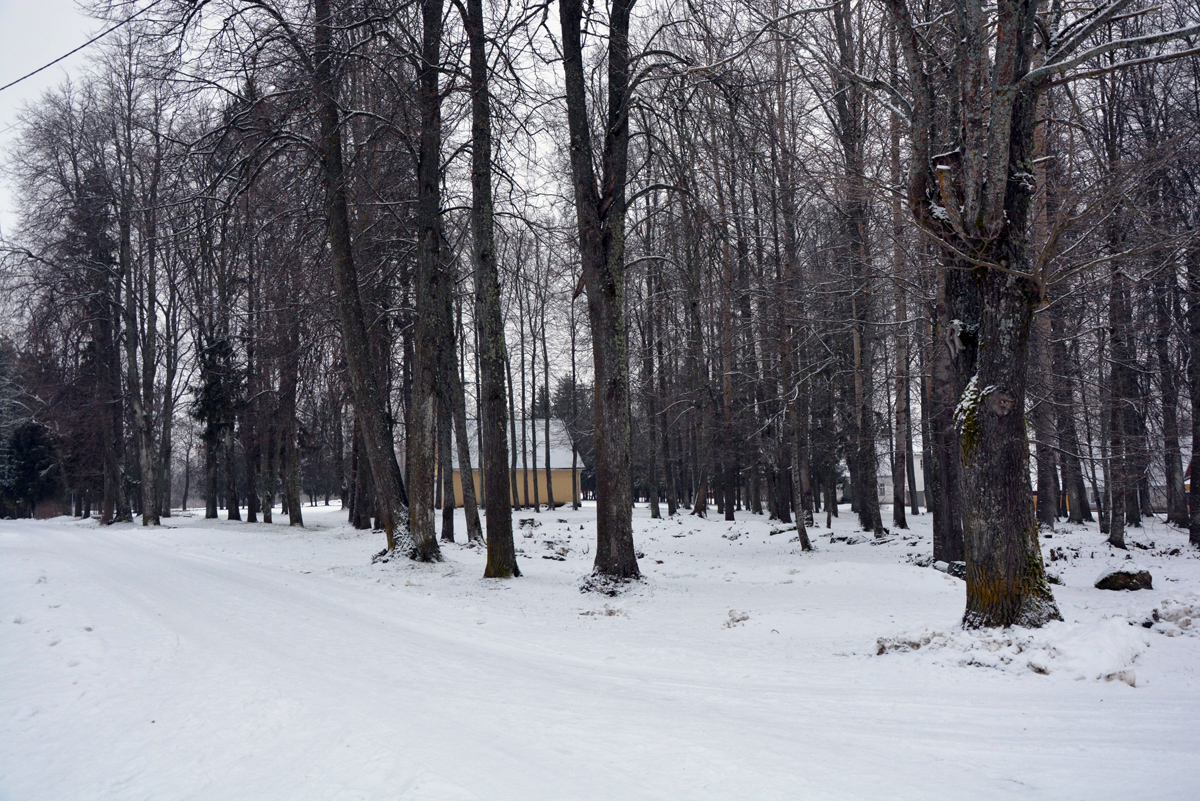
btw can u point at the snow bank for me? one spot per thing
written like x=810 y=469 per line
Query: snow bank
x=1175 y=616
x=1107 y=649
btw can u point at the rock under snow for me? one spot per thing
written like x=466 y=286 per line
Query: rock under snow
x=1124 y=578
x=956 y=569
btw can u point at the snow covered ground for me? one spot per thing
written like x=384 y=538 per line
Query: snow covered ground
x=215 y=660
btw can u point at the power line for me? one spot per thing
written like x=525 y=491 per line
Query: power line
x=88 y=43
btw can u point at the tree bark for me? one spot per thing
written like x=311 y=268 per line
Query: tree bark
x=1046 y=448
x=600 y=210
x=901 y=455
x=421 y=449
x=982 y=209
x=1165 y=291
x=546 y=415
x=1078 y=508
x=955 y=344
x=1193 y=321
x=1006 y=583
x=289 y=380
x=446 y=469
x=489 y=319
x=232 y=505
x=366 y=387
x=1119 y=380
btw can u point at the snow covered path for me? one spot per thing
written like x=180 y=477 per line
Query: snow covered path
x=228 y=661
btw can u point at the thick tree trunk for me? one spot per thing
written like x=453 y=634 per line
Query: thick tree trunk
x=421 y=448
x=489 y=319
x=116 y=499
x=955 y=343
x=1006 y=582
x=901 y=436
x=446 y=469
x=210 y=477
x=984 y=212
x=600 y=208
x=364 y=486
x=291 y=475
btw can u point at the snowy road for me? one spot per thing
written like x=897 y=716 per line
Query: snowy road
x=226 y=661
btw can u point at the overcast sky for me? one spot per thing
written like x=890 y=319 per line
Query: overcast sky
x=33 y=32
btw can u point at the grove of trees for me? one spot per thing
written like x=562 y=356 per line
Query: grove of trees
x=753 y=255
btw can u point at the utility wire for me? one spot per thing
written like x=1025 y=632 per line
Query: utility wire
x=88 y=43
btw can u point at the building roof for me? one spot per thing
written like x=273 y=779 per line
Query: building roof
x=560 y=444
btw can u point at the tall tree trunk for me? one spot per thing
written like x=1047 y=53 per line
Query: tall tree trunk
x=546 y=414
x=523 y=418
x=210 y=475
x=232 y=502
x=911 y=469
x=430 y=273
x=1006 y=583
x=364 y=496
x=1193 y=321
x=600 y=208
x=848 y=106
x=649 y=400
x=901 y=454
x=465 y=471
x=1165 y=292
x=366 y=385
x=984 y=211
x=1078 y=508
x=517 y=498
x=187 y=477
x=799 y=427
x=1046 y=448
x=1006 y=580
x=576 y=491
x=531 y=410
x=664 y=431
x=1119 y=395
x=446 y=469
x=267 y=449
x=955 y=344
x=163 y=476
x=451 y=396
x=289 y=380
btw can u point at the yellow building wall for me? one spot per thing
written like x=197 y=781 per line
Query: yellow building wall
x=561 y=479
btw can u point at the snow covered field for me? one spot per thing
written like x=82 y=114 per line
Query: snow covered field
x=215 y=660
